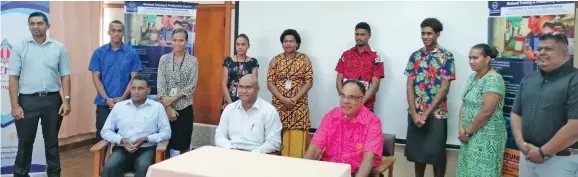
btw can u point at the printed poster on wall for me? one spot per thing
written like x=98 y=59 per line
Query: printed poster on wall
x=14 y=30
x=514 y=29
x=149 y=27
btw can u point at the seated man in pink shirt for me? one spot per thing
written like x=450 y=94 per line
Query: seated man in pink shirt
x=349 y=134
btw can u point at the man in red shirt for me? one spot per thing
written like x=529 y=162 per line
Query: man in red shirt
x=361 y=63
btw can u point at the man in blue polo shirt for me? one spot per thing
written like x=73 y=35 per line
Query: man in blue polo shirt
x=113 y=66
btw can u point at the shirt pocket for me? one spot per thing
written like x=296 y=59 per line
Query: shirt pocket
x=256 y=131
x=554 y=95
x=148 y=122
x=51 y=59
x=359 y=142
x=552 y=107
x=126 y=63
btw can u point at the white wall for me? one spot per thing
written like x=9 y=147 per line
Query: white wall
x=110 y=14
x=327 y=29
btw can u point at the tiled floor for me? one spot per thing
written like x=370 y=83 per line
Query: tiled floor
x=78 y=163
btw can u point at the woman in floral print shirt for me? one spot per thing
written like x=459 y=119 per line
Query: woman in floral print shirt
x=235 y=67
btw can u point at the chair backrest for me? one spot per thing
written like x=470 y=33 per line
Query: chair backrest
x=388 y=144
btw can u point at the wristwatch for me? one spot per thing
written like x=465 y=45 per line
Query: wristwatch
x=67 y=97
x=106 y=98
x=544 y=156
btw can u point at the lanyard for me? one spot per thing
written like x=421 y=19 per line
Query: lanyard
x=474 y=82
x=181 y=65
x=178 y=77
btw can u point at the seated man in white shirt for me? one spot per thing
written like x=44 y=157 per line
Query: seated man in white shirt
x=135 y=126
x=250 y=123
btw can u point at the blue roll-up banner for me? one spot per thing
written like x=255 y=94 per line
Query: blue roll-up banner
x=148 y=28
x=514 y=29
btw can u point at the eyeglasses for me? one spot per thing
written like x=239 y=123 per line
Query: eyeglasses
x=349 y=97
x=555 y=35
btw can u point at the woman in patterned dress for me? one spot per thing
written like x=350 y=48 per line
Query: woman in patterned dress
x=176 y=82
x=235 y=67
x=482 y=129
x=289 y=79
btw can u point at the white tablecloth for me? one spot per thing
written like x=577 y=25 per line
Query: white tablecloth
x=209 y=161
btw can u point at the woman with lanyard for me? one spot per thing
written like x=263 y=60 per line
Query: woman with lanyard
x=176 y=81
x=235 y=67
x=290 y=77
x=482 y=127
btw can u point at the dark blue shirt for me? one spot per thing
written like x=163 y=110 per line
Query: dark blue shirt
x=115 y=68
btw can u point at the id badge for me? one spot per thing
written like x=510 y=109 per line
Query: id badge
x=173 y=92
x=287 y=84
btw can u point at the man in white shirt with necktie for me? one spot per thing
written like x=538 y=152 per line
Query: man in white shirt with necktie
x=251 y=123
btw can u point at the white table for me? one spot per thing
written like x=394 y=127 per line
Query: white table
x=209 y=161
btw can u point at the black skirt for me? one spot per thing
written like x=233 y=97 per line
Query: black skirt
x=182 y=130
x=428 y=143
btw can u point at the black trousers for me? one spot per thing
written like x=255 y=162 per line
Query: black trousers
x=101 y=115
x=182 y=130
x=35 y=108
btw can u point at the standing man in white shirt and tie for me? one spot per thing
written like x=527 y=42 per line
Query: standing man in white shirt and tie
x=250 y=123
x=36 y=71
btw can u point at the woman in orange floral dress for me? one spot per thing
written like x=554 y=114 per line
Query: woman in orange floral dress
x=289 y=79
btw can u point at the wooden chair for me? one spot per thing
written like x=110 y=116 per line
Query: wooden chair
x=101 y=151
x=388 y=157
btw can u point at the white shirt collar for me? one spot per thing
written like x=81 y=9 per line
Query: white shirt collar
x=48 y=40
x=256 y=105
x=147 y=101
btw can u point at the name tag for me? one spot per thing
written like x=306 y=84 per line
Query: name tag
x=288 y=84
x=173 y=92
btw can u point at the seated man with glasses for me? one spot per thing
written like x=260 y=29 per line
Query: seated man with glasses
x=250 y=123
x=349 y=134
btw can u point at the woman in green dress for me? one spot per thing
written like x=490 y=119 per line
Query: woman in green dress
x=482 y=127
